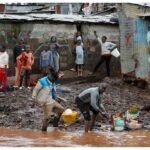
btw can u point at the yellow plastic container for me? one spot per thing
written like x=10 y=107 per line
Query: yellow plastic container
x=69 y=118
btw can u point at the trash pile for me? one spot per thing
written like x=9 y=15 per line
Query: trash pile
x=128 y=120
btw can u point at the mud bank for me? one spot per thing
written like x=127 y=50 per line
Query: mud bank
x=17 y=109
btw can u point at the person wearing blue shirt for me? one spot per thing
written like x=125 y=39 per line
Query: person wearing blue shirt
x=44 y=94
x=46 y=60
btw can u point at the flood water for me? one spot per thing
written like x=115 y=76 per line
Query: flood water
x=58 y=138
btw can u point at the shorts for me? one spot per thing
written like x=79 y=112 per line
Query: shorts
x=53 y=107
x=85 y=108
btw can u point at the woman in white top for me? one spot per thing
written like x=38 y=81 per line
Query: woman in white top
x=106 y=48
x=3 y=67
x=79 y=57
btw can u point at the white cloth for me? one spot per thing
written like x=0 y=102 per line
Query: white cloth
x=106 y=46
x=80 y=38
x=79 y=55
x=42 y=94
x=4 y=58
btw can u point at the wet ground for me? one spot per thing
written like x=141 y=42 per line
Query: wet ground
x=17 y=110
x=58 y=138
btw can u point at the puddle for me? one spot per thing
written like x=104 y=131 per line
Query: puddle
x=58 y=138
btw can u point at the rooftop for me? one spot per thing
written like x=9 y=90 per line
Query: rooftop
x=62 y=18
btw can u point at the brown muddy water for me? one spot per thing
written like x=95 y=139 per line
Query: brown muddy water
x=59 y=138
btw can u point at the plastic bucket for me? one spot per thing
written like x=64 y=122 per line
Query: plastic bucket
x=119 y=124
x=115 y=53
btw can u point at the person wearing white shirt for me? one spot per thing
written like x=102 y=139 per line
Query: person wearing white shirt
x=4 y=58
x=106 y=49
x=79 y=57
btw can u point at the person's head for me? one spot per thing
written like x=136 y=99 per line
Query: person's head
x=104 y=38
x=53 y=76
x=20 y=42
x=46 y=47
x=27 y=48
x=102 y=87
x=78 y=33
x=2 y=48
x=53 y=39
x=79 y=40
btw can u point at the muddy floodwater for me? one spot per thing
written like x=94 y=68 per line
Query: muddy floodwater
x=58 y=138
x=18 y=110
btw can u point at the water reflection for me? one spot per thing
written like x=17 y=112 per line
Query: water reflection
x=58 y=138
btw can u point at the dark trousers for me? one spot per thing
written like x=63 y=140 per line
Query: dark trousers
x=103 y=59
x=85 y=109
x=25 y=74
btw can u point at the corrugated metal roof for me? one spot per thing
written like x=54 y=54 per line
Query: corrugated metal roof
x=59 y=17
x=14 y=17
x=141 y=3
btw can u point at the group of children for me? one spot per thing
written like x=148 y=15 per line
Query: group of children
x=49 y=59
x=24 y=60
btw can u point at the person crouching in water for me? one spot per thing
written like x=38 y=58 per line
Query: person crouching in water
x=91 y=100
x=4 y=59
x=26 y=60
x=44 y=95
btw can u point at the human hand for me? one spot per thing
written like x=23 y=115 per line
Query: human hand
x=95 y=33
x=60 y=75
x=106 y=115
x=110 y=49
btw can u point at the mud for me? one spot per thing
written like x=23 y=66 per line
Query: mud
x=30 y=138
x=17 y=109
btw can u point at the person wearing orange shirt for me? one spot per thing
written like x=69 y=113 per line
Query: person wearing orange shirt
x=18 y=49
x=25 y=60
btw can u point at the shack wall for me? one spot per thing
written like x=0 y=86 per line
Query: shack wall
x=93 y=48
x=133 y=39
x=36 y=34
